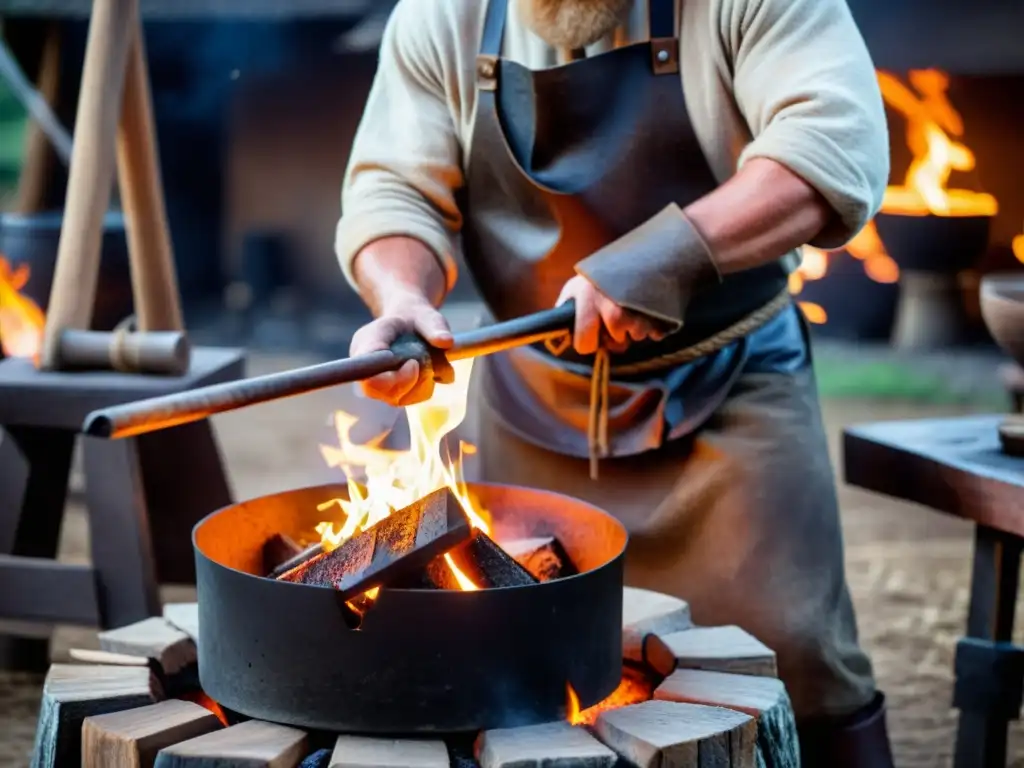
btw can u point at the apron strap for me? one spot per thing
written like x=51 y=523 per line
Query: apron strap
x=494 y=28
x=662 y=19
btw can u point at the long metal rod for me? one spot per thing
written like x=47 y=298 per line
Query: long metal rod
x=158 y=413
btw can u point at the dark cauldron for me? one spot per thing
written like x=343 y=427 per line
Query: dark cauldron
x=32 y=239
x=422 y=660
x=947 y=244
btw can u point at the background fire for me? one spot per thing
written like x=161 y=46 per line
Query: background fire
x=933 y=132
x=21 y=319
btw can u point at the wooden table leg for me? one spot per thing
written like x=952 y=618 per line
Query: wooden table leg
x=989 y=674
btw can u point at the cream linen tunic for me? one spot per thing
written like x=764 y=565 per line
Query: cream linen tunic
x=789 y=80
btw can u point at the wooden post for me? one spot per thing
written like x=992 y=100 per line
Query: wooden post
x=35 y=171
x=154 y=279
x=91 y=176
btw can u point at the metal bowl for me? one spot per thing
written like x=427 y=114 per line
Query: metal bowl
x=1002 y=307
x=422 y=661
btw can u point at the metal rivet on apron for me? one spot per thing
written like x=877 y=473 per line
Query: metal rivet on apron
x=486 y=68
x=663 y=56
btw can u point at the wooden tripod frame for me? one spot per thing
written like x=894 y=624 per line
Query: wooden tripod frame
x=113 y=128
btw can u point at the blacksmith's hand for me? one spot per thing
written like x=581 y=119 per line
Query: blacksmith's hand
x=403 y=313
x=598 y=319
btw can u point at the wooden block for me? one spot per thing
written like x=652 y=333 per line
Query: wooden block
x=131 y=739
x=89 y=656
x=718 y=649
x=550 y=745
x=253 y=744
x=659 y=734
x=278 y=549
x=545 y=558
x=155 y=638
x=73 y=692
x=364 y=752
x=304 y=556
x=403 y=543
x=763 y=698
x=184 y=616
x=487 y=565
x=644 y=613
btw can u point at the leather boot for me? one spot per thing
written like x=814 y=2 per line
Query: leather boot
x=860 y=740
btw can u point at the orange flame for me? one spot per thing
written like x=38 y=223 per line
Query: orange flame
x=21 y=320
x=572 y=706
x=1018 y=247
x=634 y=688
x=381 y=481
x=933 y=130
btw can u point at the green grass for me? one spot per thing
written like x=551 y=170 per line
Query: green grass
x=12 y=139
x=900 y=382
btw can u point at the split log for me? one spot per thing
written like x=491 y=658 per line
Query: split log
x=666 y=733
x=304 y=556
x=645 y=613
x=402 y=543
x=89 y=656
x=154 y=638
x=73 y=692
x=131 y=739
x=545 y=558
x=364 y=752
x=254 y=744
x=542 y=746
x=481 y=561
x=716 y=649
x=184 y=616
x=763 y=698
x=278 y=549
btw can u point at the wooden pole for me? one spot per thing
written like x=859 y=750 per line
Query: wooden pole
x=154 y=280
x=73 y=293
x=35 y=171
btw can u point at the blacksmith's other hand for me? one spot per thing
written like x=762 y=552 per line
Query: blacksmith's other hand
x=405 y=313
x=595 y=313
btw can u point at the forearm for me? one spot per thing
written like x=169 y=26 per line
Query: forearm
x=389 y=270
x=759 y=215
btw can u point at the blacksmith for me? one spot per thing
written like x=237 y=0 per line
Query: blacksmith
x=660 y=163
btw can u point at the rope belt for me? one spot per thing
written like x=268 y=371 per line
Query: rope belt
x=600 y=381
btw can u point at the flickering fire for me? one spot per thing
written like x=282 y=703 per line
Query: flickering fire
x=1018 y=247
x=934 y=130
x=634 y=688
x=21 y=319
x=381 y=481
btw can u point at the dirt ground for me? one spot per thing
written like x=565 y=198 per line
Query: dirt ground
x=908 y=569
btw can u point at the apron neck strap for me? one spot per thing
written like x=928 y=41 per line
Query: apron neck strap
x=662 y=19
x=494 y=28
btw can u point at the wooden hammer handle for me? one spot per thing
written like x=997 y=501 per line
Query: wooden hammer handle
x=73 y=293
x=154 y=279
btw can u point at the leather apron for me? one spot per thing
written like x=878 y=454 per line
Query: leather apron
x=719 y=468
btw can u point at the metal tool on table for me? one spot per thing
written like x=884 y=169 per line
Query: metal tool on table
x=159 y=413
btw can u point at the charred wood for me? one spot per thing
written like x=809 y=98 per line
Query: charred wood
x=278 y=549
x=300 y=557
x=545 y=558
x=480 y=560
x=406 y=541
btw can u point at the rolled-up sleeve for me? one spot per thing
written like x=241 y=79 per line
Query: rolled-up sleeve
x=405 y=165
x=805 y=82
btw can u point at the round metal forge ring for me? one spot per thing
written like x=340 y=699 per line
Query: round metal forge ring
x=423 y=660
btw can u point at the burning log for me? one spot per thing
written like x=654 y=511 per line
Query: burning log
x=669 y=733
x=402 y=543
x=360 y=751
x=277 y=550
x=541 y=745
x=73 y=692
x=544 y=558
x=716 y=649
x=763 y=698
x=131 y=739
x=300 y=557
x=480 y=561
x=255 y=744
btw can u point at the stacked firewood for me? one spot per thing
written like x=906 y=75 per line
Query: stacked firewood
x=136 y=702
